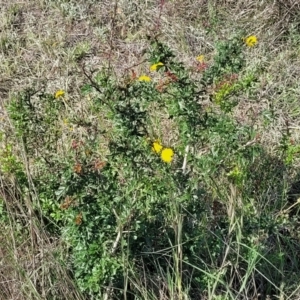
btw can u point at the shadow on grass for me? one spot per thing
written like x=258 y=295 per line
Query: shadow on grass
x=251 y=253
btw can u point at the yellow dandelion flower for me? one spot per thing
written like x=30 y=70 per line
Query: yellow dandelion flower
x=144 y=78
x=167 y=155
x=59 y=93
x=156 y=67
x=200 y=58
x=157 y=146
x=251 y=40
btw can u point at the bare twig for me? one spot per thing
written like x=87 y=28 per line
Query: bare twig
x=187 y=148
x=161 y=5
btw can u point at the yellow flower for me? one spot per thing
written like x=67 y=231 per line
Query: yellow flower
x=156 y=67
x=200 y=58
x=167 y=155
x=59 y=93
x=144 y=78
x=251 y=40
x=156 y=146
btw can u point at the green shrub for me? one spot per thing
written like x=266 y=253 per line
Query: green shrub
x=175 y=195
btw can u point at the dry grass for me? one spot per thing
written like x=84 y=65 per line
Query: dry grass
x=33 y=265
x=44 y=43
